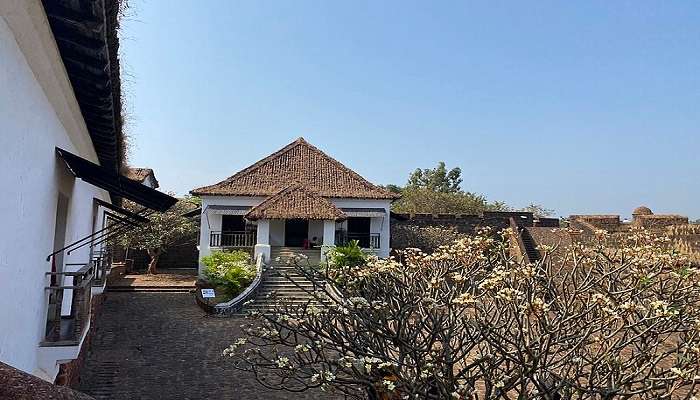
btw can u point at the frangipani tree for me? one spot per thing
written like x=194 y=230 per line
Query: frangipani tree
x=471 y=321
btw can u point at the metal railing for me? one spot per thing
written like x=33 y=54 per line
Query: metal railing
x=101 y=262
x=232 y=239
x=66 y=330
x=365 y=240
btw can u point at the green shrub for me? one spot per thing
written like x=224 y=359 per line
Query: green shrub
x=350 y=255
x=233 y=271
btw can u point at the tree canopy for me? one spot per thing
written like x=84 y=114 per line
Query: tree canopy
x=436 y=179
x=437 y=190
x=162 y=231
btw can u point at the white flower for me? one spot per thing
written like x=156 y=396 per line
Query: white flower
x=508 y=294
x=389 y=385
x=301 y=348
x=327 y=376
x=283 y=362
x=464 y=298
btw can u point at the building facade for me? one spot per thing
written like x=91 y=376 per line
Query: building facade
x=61 y=152
x=296 y=197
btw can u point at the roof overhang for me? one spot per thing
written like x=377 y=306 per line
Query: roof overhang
x=123 y=211
x=86 y=37
x=364 y=212
x=116 y=184
x=227 y=210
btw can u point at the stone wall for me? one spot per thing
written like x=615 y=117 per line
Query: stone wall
x=423 y=230
x=543 y=222
x=69 y=373
x=659 y=220
x=183 y=254
x=608 y=222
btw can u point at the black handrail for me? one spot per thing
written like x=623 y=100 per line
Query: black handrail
x=90 y=236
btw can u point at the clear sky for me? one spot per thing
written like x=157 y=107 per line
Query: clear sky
x=584 y=107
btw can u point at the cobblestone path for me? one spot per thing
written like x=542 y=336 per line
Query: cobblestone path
x=162 y=346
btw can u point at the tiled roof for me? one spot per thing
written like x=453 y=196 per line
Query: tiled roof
x=300 y=162
x=19 y=385
x=295 y=201
x=140 y=174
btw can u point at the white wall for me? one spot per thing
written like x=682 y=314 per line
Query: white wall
x=149 y=181
x=316 y=229
x=377 y=225
x=277 y=230
x=212 y=222
x=36 y=115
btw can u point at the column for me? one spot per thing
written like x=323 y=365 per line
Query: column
x=328 y=238
x=262 y=245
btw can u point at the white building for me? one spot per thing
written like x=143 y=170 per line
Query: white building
x=296 y=197
x=60 y=156
x=144 y=175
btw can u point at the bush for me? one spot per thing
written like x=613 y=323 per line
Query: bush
x=233 y=271
x=350 y=255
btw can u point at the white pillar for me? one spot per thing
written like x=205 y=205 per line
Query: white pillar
x=204 y=233
x=262 y=245
x=385 y=236
x=328 y=237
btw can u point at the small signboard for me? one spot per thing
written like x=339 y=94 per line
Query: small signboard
x=208 y=293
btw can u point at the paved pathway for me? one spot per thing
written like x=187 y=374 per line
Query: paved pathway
x=165 y=279
x=162 y=346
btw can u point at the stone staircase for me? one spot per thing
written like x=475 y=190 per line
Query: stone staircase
x=277 y=288
x=530 y=247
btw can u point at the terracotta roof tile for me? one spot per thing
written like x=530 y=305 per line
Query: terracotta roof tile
x=295 y=201
x=301 y=162
x=19 y=385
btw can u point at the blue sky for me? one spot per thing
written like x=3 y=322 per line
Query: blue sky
x=584 y=107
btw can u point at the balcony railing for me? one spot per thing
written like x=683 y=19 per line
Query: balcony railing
x=232 y=239
x=365 y=240
x=64 y=327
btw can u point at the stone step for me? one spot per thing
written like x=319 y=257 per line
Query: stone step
x=288 y=287
x=283 y=295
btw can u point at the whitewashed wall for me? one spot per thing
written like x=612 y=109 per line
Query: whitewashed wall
x=377 y=225
x=38 y=112
x=277 y=230
x=212 y=222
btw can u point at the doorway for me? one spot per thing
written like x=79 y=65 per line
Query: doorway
x=295 y=232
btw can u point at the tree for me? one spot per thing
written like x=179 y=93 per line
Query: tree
x=606 y=320
x=436 y=191
x=162 y=231
x=423 y=200
x=538 y=210
x=436 y=179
